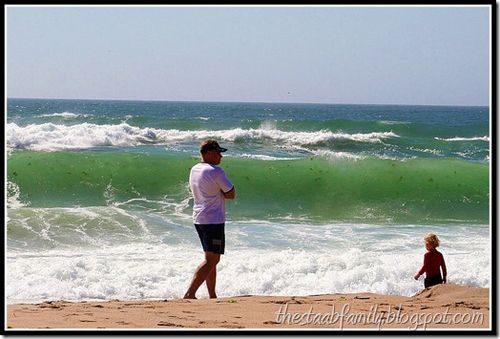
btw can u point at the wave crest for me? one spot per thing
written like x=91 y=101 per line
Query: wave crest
x=49 y=137
x=483 y=138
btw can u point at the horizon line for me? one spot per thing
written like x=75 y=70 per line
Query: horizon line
x=249 y=102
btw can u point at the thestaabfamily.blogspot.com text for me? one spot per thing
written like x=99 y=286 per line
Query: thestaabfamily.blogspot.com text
x=343 y=317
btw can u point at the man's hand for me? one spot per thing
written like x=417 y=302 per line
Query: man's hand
x=231 y=194
x=417 y=276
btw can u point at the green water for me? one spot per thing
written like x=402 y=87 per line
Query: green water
x=414 y=190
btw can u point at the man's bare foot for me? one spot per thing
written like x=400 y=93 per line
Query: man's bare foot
x=213 y=296
x=189 y=296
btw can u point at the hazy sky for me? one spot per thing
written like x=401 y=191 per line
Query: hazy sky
x=398 y=55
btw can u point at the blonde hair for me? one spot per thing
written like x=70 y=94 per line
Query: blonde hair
x=432 y=240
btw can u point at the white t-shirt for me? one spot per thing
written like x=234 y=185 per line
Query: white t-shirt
x=207 y=182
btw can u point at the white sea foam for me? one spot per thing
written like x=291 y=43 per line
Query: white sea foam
x=268 y=125
x=66 y=115
x=337 y=155
x=48 y=136
x=13 y=196
x=483 y=138
x=427 y=150
x=311 y=259
x=159 y=271
x=266 y=157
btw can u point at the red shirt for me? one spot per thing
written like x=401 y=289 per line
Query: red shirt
x=432 y=261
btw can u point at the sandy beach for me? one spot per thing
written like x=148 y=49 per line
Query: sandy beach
x=446 y=306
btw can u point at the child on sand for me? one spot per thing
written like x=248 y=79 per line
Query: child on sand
x=433 y=261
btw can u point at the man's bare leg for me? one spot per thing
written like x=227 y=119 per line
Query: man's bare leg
x=201 y=273
x=211 y=279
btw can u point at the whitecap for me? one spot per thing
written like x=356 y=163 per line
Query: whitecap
x=49 y=136
x=65 y=115
x=483 y=138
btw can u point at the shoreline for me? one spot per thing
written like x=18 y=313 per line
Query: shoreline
x=447 y=306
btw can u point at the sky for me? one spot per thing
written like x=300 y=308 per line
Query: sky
x=433 y=55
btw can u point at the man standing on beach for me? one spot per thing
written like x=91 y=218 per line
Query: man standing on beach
x=210 y=188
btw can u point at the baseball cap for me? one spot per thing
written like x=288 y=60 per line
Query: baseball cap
x=210 y=145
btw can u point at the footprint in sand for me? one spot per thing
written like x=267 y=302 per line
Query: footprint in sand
x=164 y=323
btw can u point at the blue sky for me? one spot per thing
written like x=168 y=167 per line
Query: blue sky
x=361 y=55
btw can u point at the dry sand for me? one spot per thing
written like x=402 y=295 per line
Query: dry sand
x=446 y=306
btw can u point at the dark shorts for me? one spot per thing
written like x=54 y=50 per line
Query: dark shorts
x=435 y=280
x=212 y=237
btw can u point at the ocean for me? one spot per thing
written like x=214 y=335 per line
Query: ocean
x=331 y=198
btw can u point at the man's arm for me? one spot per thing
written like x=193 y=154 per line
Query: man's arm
x=231 y=194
